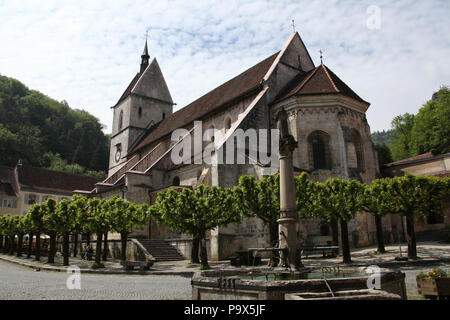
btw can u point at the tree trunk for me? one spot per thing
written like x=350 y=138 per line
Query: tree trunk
x=6 y=246
x=98 y=248
x=1 y=242
x=88 y=239
x=123 y=246
x=105 y=247
x=12 y=247
x=19 y=244
x=30 y=245
x=411 y=237
x=334 y=233
x=345 y=244
x=38 y=247
x=52 y=249
x=75 y=245
x=66 y=249
x=203 y=251
x=380 y=237
x=195 y=249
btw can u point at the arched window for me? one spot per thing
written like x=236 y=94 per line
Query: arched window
x=227 y=123
x=319 y=150
x=140 y=112
x=121 y=120
x=357 y=141
x=164 y=115
x=176 y=181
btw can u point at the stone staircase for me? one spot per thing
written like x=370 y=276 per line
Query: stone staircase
x=161 y=250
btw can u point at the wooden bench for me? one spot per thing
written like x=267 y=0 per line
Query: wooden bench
x=325 y=249
x=129 y=265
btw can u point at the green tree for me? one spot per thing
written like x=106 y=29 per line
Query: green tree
x=338 y=200
x=78 y=206
x=431 y=129
x=401 y=137
x=376 y=199
x=417 y=196
x=36 y=215
x=51 y=225
x=384 y=153
x=98 y=223
x=19 y=230
x=28 y=228
x=124 y=216
x=196 y=211
x=66 y=216
x=261 y=199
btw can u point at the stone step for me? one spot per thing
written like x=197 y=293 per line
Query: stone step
x=161 y=250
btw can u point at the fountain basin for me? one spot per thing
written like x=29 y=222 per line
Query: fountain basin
x=272 y=284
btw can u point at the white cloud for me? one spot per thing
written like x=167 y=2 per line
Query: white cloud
x=86 y=52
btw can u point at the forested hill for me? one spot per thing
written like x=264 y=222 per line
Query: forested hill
x=382 y=137
x=46 y=133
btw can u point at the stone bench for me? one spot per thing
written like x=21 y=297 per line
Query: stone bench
x=130 y=265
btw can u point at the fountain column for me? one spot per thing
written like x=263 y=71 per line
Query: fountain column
x=288 y=208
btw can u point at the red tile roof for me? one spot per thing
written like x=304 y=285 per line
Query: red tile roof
x=49 y=180
x=8 y=184
x=419 y=157
x=319 y=80
x=233 y=89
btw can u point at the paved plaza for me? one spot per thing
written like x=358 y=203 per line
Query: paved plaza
x=22 y=283
x=171 y=280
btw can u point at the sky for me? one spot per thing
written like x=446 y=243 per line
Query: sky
x=392 y=53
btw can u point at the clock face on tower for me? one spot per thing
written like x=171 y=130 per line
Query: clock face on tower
x=118 y=155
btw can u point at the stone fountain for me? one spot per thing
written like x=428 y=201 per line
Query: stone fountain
x=296 y=283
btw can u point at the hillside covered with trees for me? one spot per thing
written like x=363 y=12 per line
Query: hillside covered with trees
x=411 y=135
x=46 y=133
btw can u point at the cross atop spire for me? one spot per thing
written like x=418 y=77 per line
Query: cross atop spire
x=321 y=57
x=293 y=25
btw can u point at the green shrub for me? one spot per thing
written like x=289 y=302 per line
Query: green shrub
x=98 y=265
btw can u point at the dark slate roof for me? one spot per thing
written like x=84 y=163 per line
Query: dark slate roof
x=319 y=80
x=8 y=184
x=49 y=180
x=130 y=87
x=233 y=89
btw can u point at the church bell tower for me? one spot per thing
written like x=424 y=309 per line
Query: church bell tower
x=145 y=102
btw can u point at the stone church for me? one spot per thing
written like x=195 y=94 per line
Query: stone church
x=327 y=118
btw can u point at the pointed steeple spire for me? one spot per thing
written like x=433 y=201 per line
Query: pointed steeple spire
x=145 y=58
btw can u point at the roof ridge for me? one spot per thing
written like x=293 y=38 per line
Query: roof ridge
x=329 y=77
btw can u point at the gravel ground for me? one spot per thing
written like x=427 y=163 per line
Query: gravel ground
x=21 y=283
